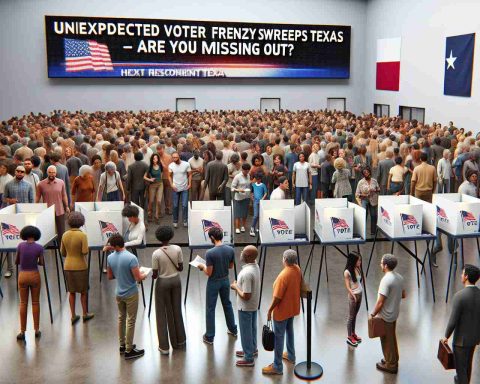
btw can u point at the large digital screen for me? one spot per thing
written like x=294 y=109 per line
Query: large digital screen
x=117 y=47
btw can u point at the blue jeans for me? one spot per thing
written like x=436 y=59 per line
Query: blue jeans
x=301 y=193
x=112 y=196
x=313 y=192
x=247 y=320
x=395 y=187
x=280 y=328
x=177 y=196
x=373 y=215
x=222 y=288
x=256 y=213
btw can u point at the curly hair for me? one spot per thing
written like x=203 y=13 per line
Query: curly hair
x=30 y=232
x=130 y=211
x=76 y=220
x=164 y=233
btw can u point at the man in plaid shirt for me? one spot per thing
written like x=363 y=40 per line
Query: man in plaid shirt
x=17 y=191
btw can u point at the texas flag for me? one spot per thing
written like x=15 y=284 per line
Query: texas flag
x=388 y=64
x=459 y=65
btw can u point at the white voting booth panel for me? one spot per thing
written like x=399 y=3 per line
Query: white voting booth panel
x=104 y=219
x=456 y=213
x=405 y=216
x=338 y=219
x=282 y=222
x=203 y=215
x=15 y=217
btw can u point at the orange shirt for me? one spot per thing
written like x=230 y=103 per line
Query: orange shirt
x=287 y=288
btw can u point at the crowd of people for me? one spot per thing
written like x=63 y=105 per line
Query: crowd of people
x=161 y=160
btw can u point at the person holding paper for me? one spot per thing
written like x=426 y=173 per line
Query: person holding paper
x=464 y=324
x=390 y=293
x=220 y=259
x=29 y=257
x=241 y=197
x=123 y=266
x=167 y=262
x=247 y=288
x=135 y=233
x=74 y=248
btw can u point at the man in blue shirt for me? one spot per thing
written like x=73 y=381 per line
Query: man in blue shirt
x=220 y=259
x=123 y=266
x=290 y=159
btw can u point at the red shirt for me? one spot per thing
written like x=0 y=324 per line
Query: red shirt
x=53 y=193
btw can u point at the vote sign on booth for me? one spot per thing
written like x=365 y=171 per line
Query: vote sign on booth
x=211 y=215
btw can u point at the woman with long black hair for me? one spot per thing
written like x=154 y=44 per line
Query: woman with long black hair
x=353 y=277
x=155 y=188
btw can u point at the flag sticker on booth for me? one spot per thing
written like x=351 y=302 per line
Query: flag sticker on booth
x=385 y=216
x=279 y=227
x=468 y=220
x=442 y=215
x=409 y=222
x=108 y=229
x=388 y=64
x=207 y=225
x=339 y=226
x=9 y=232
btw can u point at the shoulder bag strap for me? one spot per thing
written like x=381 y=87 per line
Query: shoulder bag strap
x=169 y=258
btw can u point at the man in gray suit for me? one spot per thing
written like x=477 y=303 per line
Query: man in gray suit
x=216 y=177
x=384 y=167
x=135 y=181
x=464 y=323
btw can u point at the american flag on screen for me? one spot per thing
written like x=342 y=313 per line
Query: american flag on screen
x=385 y=213
x=10 y=229
x=207 y=225
x=408 y=219
x=107 y=227
x=467 y=217
x=86 y=55
x=338 y=223
x=277 y=224
x=441 y=213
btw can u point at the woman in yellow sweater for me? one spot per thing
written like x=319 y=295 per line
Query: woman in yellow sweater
x=75 y=248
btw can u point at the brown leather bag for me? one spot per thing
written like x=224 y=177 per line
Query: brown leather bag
x=445 y=355
x=376 y=327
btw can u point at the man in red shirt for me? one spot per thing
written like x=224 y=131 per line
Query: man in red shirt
x=52 y=191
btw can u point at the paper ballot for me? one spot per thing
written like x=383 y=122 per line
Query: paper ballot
x=197 y=261
x=145 y=270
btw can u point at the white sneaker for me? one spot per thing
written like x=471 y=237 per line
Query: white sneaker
x=242 y=229
x=252 y=232
x=185 y=224
x=237 y=230
x=163 y=351
x=8 y=274
x=175 y=225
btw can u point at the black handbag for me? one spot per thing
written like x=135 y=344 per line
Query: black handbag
x=268 y=337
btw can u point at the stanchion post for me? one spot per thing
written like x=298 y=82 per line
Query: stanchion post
x=309 y=370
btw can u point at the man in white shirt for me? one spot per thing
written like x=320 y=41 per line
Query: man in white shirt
x=390 y=293
x=180 y=177
x=247 y=288
x=279 y=192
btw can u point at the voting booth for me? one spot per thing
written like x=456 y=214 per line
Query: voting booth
x=457 y=214
x=103 y=219
x=337 y=223
x=13 y=219
x=204 y=215
x=405 y=216
x=338 y=220
x=281 y=221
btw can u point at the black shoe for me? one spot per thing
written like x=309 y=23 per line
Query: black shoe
x=21 y=336
x=134 y=353
x=122 y=348
x=207 y=340
x=38 y=334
